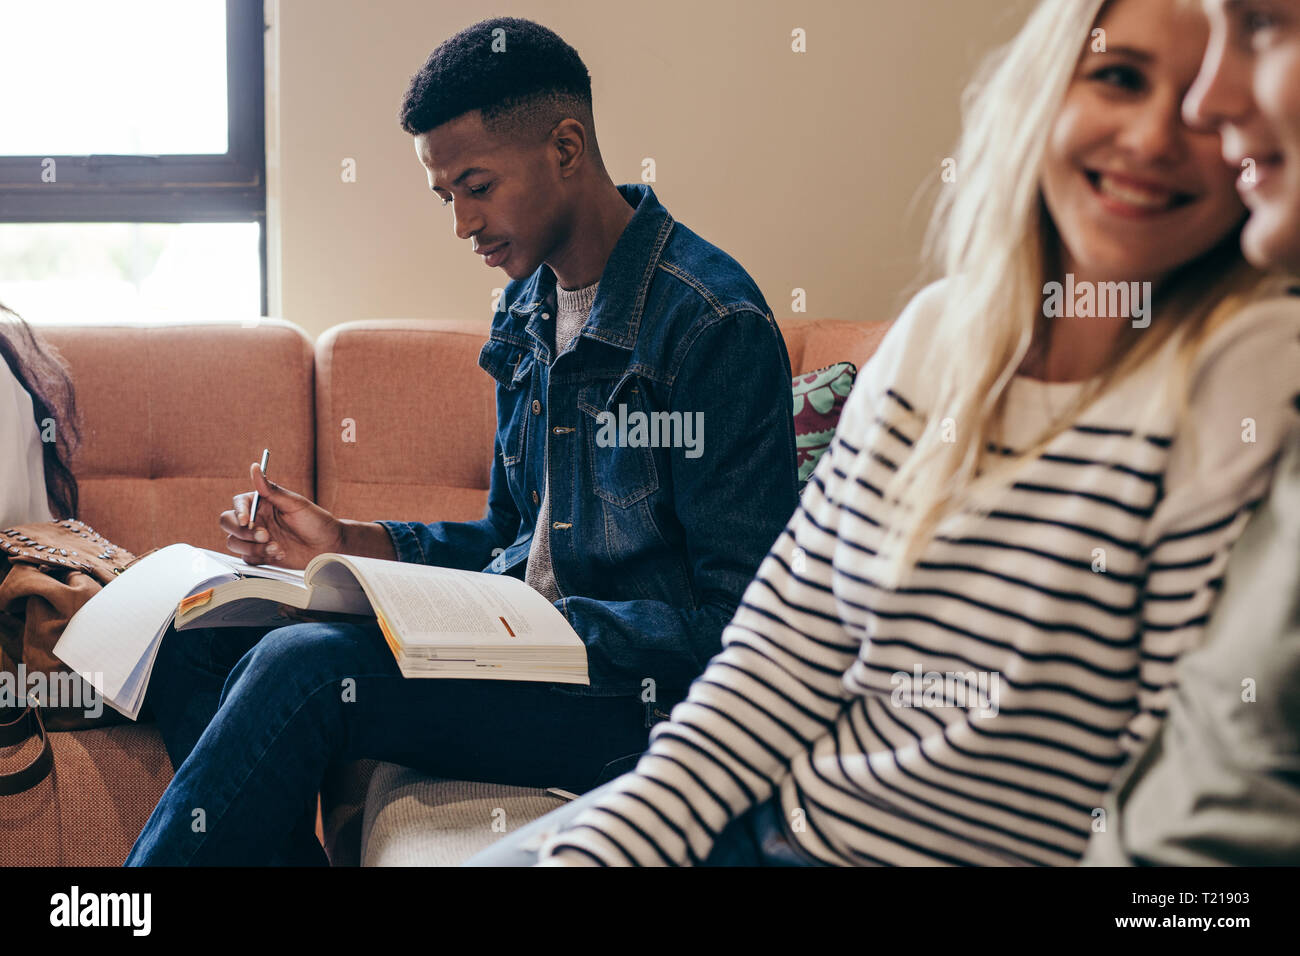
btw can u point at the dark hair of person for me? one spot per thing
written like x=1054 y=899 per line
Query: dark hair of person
x=45 y=377
x=520 y=75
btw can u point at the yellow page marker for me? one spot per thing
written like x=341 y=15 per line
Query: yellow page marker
x=388 y=636
x=195 y=600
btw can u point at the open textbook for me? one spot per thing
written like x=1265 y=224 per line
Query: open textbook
x=438 y=622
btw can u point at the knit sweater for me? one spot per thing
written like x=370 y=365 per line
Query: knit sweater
x=572 y=309
x=1070 y=601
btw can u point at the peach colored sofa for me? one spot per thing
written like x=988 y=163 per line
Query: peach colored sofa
x=173 y=414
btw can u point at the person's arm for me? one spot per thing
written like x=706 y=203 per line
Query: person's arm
x=731 y=500
x=1239 y=415
x=1220 y=782
x=775 y=689
x=466 y=545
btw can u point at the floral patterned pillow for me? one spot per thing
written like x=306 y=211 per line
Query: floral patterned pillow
x=819 y=399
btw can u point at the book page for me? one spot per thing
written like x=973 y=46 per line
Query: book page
x=112 y=639
x=428 y=605
x=244 y=569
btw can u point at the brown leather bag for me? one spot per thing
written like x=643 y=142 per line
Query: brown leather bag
x=54 y=568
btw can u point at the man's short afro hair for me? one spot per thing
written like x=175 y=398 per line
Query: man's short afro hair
x=524 y=79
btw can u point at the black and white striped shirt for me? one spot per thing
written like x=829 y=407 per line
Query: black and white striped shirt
x=1067 y=605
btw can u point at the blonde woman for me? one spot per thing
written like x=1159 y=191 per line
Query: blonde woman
x=974 y=614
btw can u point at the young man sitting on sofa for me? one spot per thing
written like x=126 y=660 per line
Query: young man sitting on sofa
x=645 y=550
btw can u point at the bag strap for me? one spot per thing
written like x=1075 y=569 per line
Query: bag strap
x=27 y=724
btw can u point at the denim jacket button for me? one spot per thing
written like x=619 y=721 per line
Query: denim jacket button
x=535 y=498
x=537 y=407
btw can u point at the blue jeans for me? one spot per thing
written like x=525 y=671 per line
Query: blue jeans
x=755 y=838
x=251 y=719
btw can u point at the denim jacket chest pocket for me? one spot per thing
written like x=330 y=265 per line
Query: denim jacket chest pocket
x=617 y=427
x=511 y=365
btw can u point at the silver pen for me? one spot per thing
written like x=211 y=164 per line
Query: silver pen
x=252 y=512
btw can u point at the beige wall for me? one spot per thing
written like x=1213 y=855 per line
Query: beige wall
x=805 y=167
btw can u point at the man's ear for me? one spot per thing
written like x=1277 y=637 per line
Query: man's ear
x=569 y=141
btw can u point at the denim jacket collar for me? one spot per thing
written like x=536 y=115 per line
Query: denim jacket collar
x=620 y=298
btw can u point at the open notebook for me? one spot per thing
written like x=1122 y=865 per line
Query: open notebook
x=438 y=622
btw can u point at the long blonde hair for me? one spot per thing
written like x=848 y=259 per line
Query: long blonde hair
x=993 y=240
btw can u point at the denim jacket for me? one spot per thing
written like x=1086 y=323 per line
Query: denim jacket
x=651 y=546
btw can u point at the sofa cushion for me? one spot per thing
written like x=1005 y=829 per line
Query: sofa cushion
x=819 y=398
x=172 y=414
x=412 y=819
x=405 y=420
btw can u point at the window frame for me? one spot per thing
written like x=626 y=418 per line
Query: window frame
x=182 y=187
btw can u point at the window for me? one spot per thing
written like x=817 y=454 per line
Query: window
x=132 y=159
